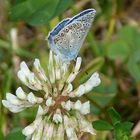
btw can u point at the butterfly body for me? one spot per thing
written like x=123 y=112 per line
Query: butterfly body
x=66 y=39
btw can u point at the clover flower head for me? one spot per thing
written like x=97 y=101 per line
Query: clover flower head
x=60 y=115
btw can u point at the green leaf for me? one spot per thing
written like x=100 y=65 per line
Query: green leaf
x=1 y=135
x=94 y=109
x=134 y=69
x=104 y=93
x=43 y=15
x=106 y=7
x=118 y=50
x=25 y=10
x=15 y=134
x=114 y=115
x=18 y=1
x=93 y=44
x=123 y=131
x=7 y=80
x=102 y=125
x=28 y=114
x=21 y=11
x=126 y=127
x=129 y=35
x=23 y=52
x=49 y=11
x=4 y=44
x=38 y=12
x=61 y=7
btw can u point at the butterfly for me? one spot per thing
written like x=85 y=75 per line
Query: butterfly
x=66 y=39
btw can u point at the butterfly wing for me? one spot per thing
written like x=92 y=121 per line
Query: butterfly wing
x=67 y=38
x=53 y=33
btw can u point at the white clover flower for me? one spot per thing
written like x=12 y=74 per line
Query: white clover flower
x=60 y=116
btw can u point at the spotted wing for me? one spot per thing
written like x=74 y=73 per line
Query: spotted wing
x=53 y=33
x=70 y=36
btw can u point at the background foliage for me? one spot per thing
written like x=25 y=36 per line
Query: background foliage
x=112 y=47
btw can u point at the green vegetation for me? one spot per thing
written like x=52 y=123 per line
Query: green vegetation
x=112 y=48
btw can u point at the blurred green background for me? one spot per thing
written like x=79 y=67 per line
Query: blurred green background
x=112 y=48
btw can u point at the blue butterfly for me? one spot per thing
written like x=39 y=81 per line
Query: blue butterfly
x=66 y=39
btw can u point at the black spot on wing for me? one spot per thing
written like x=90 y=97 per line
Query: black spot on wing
x=59 y=27
x=66 y=22
x=56 y=30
